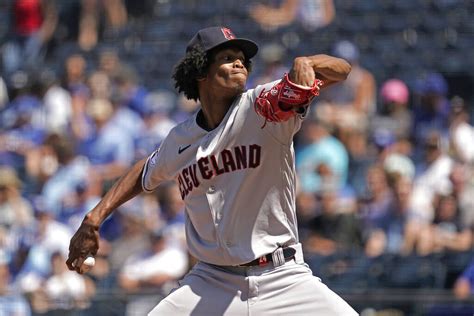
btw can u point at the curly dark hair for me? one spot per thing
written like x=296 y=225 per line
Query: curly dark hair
x=195 y=65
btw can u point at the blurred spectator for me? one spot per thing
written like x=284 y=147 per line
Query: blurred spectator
x=46 y=237
x=397 y=165
x=11 y=302
x=394 y=115
x=321 y=158
x=431 y=108
x=378 y=196
x=347 y=105
x=362 y=155
x=74 y=81
x=101 y=87
x=400 y=229
x=34 y=22
x=432 y=177
x=156 y=117
x=306 y=210
x=184 y=109
x=272 y=55
x=173 y=214
x=133 y=237
x=159 y=267
x=56 y=102
x=108 y=147
x=99 y=84
x=3 y=93
x=131 y=92
x=77 y=203
x=116 y=14
x=63 y=291
x=392 y=231
x=462 y=182
x=464 y=286
x=71 y=172
x=21 y=130
x=333 y=230
x=87 y=23
x=109 y=62
x=270 y=17
x=461 y=133
x=15 y=210
x=447 y=232
x=314 y=14
x=128 y=120
x=310 y=14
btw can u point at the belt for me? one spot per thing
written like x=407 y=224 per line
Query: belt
x=278 y=257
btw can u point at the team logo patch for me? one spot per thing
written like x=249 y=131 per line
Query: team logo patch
x=290 y=93
x=227 y=33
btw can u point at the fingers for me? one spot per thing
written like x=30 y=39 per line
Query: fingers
x=69 y=264
x=85 y=242
x=75 y=264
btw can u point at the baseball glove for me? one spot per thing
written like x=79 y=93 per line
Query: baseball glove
x=284 y=99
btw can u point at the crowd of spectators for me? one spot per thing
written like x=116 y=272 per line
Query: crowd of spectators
x=385 y=169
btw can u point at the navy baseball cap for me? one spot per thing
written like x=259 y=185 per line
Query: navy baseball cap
x=212 y=37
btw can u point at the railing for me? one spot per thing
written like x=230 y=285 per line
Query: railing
x=406 y=302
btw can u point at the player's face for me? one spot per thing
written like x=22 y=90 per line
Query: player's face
x=227 y=72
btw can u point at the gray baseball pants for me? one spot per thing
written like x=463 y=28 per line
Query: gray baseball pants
x=289 y=289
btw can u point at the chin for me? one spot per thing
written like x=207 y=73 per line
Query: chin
x=241 y=86
x=239 y=90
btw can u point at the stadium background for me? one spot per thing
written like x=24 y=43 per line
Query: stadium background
x=86 y=90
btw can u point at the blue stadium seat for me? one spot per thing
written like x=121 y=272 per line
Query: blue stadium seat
x=414 y=272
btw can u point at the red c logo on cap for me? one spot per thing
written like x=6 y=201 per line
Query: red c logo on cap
x=227 y=33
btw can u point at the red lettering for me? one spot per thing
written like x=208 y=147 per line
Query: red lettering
x=192 y=173
x=254 y=156
x=182 y=188
x=228 y=161
x=187 y=181
x=241 y=157
x=203 y=163
x=216 y=166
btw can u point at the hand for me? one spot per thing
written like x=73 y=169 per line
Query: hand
x=302 y=72
x=84 y=242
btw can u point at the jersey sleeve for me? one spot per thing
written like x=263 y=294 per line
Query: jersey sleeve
x=282 y=131
x=155 y=170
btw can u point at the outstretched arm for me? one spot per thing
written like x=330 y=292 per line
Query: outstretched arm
x=86 y=240
x=327 y=68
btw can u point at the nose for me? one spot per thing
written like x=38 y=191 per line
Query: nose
x=238 y=63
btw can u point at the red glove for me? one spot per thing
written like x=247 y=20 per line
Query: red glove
x=281 y=102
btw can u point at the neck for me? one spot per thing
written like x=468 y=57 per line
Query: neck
x=213 y=110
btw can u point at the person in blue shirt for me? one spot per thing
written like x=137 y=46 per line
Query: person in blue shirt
x=324 y=158
x=11 y=301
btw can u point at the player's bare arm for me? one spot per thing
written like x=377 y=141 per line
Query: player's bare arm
x=297 y=89
x=327 y=68
x=86 y=239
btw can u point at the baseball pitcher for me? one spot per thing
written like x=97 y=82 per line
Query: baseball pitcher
x=234 y=164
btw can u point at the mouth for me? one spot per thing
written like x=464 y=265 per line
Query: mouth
x=239 y=73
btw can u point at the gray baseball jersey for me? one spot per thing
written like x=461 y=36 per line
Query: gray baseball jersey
x=237 y=182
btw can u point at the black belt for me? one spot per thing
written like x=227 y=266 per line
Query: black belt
x=288 y=254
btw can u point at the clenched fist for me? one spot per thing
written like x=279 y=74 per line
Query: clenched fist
x=84 y=243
